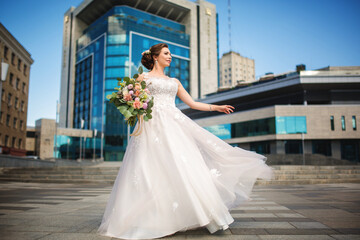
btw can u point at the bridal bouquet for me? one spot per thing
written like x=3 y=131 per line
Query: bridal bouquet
x=133 y=99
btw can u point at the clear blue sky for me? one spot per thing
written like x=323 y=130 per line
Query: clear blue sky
x=277 y=34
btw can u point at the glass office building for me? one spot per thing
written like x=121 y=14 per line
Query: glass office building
x=103 y=41
x=112 y=47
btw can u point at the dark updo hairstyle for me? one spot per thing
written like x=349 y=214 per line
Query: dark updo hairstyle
x=147 y=59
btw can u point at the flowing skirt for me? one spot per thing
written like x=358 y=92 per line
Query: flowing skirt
x=177 y=176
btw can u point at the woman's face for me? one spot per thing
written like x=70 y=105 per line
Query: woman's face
x=164 y=58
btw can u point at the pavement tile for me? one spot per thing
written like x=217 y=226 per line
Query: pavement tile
x=5 y=235
x=295 y=237
x=261 y=225
x=251 y=215
x=297 y=231
x=289 y=215
x=346 y=237
x=308 y=225
x=247 y=231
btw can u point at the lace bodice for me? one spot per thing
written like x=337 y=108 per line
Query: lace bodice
x=163 y=89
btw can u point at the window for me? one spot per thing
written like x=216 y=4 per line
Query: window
x=20 y=142
x=16 y=102
x=13 y=142
x=9 y=98
x=354 y=122
x=11 y=79
x=6 y=140
x=19 y=64
x=23 y=87
x=17 y=83
x=13 y=58
x=6 y=50
x=8 y=120
x=25 y=69
x=332 y=125
x=343 y=126
x=22 y=106
x=21 y=124
x=321 y=147
x=293 y=147
x=14 y=122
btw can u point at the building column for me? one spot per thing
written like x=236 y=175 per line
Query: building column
x=280 y=147
x=336 y=149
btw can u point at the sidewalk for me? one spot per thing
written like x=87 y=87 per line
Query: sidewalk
x=72 y=211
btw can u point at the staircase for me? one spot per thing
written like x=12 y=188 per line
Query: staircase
x=299 y=174
x=106 y=173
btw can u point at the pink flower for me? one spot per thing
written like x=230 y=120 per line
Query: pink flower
x=127 y=97
x=130 y=86
x=145 y=105
x=131 y=92
x=147 y=91
x=137 y=104
x=147 y=100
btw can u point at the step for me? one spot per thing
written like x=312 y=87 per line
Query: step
x=110 y=182
x=306 y=181
x=317 y=176
x=29 y=176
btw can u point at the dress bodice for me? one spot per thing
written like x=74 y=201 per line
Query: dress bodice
x=162 y=89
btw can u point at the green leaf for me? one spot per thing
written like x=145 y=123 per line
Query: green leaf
x=143 y=85
x=119 y=79
x=127 y=80
x=140 y=70
x=122 y=109
x=131 y=109
x=127 y=114
x=136 y=76
x=109 y=96
x=149 y=116
x=146 y=118
x=135 y=112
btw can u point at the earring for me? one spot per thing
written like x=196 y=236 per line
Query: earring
x=156 y=62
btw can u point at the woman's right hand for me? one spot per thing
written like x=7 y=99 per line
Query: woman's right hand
x=225 y=108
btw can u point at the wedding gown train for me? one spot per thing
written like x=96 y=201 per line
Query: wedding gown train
x=177 y=176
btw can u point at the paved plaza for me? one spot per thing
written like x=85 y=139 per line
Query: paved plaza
x=74 y=211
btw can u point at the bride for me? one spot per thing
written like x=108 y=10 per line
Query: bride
x=176 y=175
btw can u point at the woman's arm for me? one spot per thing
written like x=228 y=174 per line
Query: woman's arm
x=187 y=99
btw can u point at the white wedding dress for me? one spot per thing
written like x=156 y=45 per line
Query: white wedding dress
x=177 y=176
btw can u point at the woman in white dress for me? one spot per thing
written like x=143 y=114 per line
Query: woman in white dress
x=176 y=175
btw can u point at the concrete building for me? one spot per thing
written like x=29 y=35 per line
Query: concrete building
x=48 y=142
x=236 y=70
x=299 y=112
x=14 y=94
x=103 y=40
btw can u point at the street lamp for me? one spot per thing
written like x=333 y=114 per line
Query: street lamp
x=82 y=125
x=95 y=133
x=3 y=71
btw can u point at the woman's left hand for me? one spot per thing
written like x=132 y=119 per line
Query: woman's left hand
x=225 y=108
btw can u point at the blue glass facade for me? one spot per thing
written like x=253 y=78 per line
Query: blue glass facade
x=259 y=127
x=69 y=147
x=113 y=44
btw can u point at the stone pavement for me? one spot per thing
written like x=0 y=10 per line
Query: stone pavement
x=74 y=211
